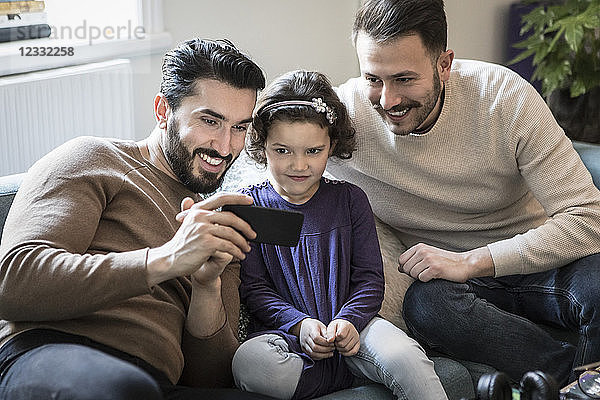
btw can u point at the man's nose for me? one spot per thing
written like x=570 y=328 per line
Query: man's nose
x=222 y=142
x=389 y=98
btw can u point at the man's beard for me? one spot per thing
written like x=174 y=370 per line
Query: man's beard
x=181 y=162
x=422 y=110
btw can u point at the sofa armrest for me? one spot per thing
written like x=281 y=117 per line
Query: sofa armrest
x=590 y=155
x=9 y=185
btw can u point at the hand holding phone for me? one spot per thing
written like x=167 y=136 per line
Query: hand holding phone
x=272 y=225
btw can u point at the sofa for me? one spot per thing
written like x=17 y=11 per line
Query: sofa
x=458 y=377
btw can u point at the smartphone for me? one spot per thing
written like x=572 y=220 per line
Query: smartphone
x=272 y=225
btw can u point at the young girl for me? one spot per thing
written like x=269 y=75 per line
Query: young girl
x=314 y=305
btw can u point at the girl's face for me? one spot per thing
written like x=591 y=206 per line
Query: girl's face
x=297 y=154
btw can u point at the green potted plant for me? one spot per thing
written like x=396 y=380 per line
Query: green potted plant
x=563 y=39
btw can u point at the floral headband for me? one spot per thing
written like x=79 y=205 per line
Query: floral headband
x=317 y=103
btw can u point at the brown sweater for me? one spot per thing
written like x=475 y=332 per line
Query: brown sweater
x=73 y=258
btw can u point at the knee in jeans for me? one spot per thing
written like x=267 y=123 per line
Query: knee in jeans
x=421 y=301
x=246 y=359
x=136 y=384
x=259 y=359
x=125 y=381
x=399 y=353
x=68 y=371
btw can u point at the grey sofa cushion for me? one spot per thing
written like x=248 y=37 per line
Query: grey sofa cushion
x=9 y=185
x=590 y=155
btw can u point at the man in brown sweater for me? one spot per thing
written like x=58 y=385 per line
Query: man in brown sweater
x=108 y=290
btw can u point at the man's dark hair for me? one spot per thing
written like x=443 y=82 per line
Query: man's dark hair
x=206 y=59
x=386 y=20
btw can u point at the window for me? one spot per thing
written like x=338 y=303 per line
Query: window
x=86 y=31
x=94 y=21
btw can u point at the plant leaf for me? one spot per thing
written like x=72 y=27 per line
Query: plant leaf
x=573 y=36
x=577 y=88
x=555 y=40
x=523 y=55
x=542 y=52
x=593 y=20
x=563 y=42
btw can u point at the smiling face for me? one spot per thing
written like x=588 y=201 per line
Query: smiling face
x=402 y=82
x=206 y=133
x=297 y=154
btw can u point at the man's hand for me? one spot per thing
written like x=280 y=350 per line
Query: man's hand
x=424 y=262
x=211 y=270
x=205 y=242
x=313 y=339
x=345 y=335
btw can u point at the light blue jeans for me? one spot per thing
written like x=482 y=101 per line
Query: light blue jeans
x=387 y=356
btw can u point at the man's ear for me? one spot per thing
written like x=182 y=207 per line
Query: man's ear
x=444 y=64
x=161 y=110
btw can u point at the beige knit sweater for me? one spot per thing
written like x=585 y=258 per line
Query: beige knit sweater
x=73 y=258
x=495 y=170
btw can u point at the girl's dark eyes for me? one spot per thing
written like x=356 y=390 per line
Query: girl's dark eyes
x=286 y=151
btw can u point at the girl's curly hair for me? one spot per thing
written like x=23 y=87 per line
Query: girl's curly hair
x=300 y=85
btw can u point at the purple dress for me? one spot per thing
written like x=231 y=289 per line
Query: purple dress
x=335 y=271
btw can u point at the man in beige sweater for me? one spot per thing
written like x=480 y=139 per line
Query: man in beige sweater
x=107 y=290
x=498 y=215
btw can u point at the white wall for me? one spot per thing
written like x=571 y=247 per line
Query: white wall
x=281 y=35
x=477 y=28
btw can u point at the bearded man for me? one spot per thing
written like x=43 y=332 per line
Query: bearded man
x=107 y=289
x=498 y=216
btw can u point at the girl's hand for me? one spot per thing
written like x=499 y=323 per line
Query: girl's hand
x=345 y=335
x=313 y=339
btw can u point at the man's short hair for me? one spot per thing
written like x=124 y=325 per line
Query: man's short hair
x=387 y=20
x=206 y=59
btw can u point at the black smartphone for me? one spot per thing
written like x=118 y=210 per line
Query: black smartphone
x=272 y=225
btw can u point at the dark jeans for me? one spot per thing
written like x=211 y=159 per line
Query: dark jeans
x=494 y=320
x=46 y=364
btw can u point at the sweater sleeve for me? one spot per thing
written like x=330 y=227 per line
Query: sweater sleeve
x=561 y=183
x=366 y=274
x=46 y=271
x=219 y=347
x=258 y=293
